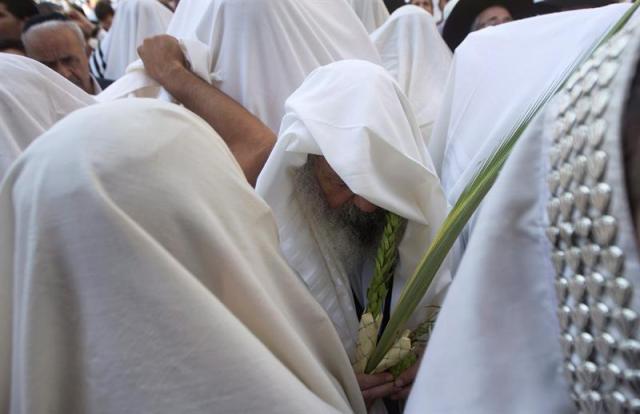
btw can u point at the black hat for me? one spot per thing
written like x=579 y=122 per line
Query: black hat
x=458 y=24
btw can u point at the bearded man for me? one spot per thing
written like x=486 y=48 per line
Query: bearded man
x=348 y=151
x=367 y=157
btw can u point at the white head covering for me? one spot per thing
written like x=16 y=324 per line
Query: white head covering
x=355 y=115
x=139 y=272
x=134 y=21
x=497 y=346
x=497 y=74
x=32 y=99
x=372 y=13
x=262 y=50
x=413 y=51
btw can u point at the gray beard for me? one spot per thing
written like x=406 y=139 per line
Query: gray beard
x=351 y=234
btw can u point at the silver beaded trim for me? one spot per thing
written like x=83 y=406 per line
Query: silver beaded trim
x=599 y=331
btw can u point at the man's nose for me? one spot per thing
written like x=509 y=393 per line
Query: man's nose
x=363 y=205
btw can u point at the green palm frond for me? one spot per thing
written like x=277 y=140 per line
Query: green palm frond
x=467 y=204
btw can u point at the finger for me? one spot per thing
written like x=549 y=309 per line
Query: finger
x=380 y=391
x=407 y=376
x=402 y=394
x=369 y=381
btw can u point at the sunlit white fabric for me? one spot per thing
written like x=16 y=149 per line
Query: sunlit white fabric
x=413 y=51
x=32 y=99
x=497 y=345
x=139 y=272
x=372 y=13
x=262 y=50
x=134 y=21
x=498 y=74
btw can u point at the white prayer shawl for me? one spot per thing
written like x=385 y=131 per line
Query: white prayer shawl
x=355 y=115
x=372 y=13
x=262 y=50
x=496 y=76
x=413 y=51
x=32 y=99
x=134 y=21
x=140 y=273
x=496 y=346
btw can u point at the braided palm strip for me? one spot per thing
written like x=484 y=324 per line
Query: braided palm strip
x=386 y=257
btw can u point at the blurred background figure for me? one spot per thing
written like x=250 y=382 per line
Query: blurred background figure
x=425 y=4
x=104 y=13
x=13 y=14
x=468 y=16
x=57 y=42
x=372 y=13
x=134 y=21
x=414 y=53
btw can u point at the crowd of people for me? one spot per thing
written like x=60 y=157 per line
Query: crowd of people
x=222 y=205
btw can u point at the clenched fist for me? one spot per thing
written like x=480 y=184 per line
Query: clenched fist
x=162 y=56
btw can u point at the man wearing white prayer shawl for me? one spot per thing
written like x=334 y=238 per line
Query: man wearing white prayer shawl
x=32 y=99
x=413 y=51
x=544 y=307
x=497 y=74
x=134 y=21
x=140 y=273
x=349 y=148
x=260 y=51
x=372 y=13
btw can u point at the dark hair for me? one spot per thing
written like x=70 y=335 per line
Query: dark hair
x=103 y=10
x=7 y=43
x=22 y=9
x=34 y=21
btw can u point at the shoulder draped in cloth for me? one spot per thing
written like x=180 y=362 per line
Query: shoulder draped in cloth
x=413 y=51
x=139 y=272
x=32 y=99
x=515 y=332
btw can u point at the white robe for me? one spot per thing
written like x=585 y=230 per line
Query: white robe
x=32 y=99
x=355 y=115
x=413 y=51
x=134 y=21
x=262 y=50
x=496 y=347
x=372 y=13
x=497 y=75
x=140 y=273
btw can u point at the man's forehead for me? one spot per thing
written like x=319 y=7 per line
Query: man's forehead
x=52 y=37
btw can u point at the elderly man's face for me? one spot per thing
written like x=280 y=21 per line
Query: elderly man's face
x=352 y=220
x=10 y=25
x=62 y=50
x=336 y=191
x=425 y=4
x=492 y=16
